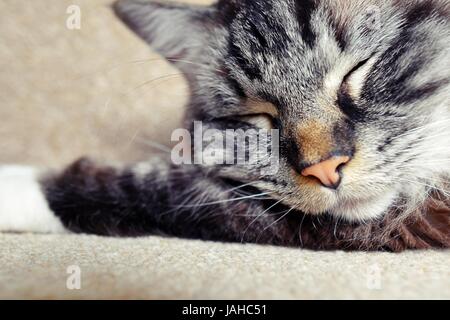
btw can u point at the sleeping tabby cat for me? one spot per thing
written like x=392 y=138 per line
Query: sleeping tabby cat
x=358 y=91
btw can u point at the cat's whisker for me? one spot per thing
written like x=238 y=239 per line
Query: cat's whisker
x=238 y=190
x=335 y=228
x=198 y=64
x=260 y=215
x=143 y=61
x=106 y=107
x=195 y=63
x=134 y=137
x=424 y=127
x=432 y=137
x=432 y=180
x=133 y=90
x=241 y=186
x=445 y=192
x=434 y=150
x=116 y=66
x=165 y=77
x=169 y=76
x=153 y=144
x=300 y=237
x=429 y=185
x=424 y=163
x=428 y=138
x=256 y=196
x=274 y=223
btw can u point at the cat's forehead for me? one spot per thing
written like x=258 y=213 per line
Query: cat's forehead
x=302 y=7
x=273 y=41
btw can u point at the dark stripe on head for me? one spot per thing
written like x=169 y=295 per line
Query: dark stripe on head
x=389 y=73
x=348 y=105
x=235 y=53
x=304 y=10
x=422 y=10
x=344 y=137
x=340 y=29
x=423 y=92
x=290 y=150
x=228 y=10
x=340 y=34
x=385 y=144
x=233 y=83
x=257 y=35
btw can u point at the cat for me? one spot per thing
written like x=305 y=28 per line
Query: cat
x=358 y=92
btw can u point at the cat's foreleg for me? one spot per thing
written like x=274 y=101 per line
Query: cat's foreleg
x=150 y=198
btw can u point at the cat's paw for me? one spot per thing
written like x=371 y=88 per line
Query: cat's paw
x=23 y=206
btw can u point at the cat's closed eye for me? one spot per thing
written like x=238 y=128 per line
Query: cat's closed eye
x=260 y=120
x=261 y=114
x=253 y=106
x=350 y=88
x=354 y=79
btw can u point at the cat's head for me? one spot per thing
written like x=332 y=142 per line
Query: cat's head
x=358 y=89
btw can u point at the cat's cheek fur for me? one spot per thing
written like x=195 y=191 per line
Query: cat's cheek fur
x=23 y=206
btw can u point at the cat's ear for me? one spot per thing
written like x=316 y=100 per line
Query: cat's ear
x=176 y=31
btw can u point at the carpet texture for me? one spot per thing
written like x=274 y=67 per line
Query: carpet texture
x=157 y=268
x=100 y=91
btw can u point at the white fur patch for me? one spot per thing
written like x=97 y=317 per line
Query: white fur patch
x=363 y=210
x=23 y=207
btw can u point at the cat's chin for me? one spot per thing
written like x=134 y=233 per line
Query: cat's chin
x=360 y=210
x=348 y=208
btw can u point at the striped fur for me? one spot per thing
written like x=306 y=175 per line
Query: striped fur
x=365 y=79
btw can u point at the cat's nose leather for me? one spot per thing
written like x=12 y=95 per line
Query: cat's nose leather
x=327 y=171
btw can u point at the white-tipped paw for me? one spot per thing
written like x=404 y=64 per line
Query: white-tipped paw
x=23 y=206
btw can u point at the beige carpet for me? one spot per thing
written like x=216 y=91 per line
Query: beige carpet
x=100 y=91
x=36 y=267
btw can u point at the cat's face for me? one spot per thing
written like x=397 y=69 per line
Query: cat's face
x=365 y=82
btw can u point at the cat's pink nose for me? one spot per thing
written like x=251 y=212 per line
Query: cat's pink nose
x=327 y=171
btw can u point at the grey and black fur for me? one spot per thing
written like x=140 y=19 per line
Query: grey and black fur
x=366 y=79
